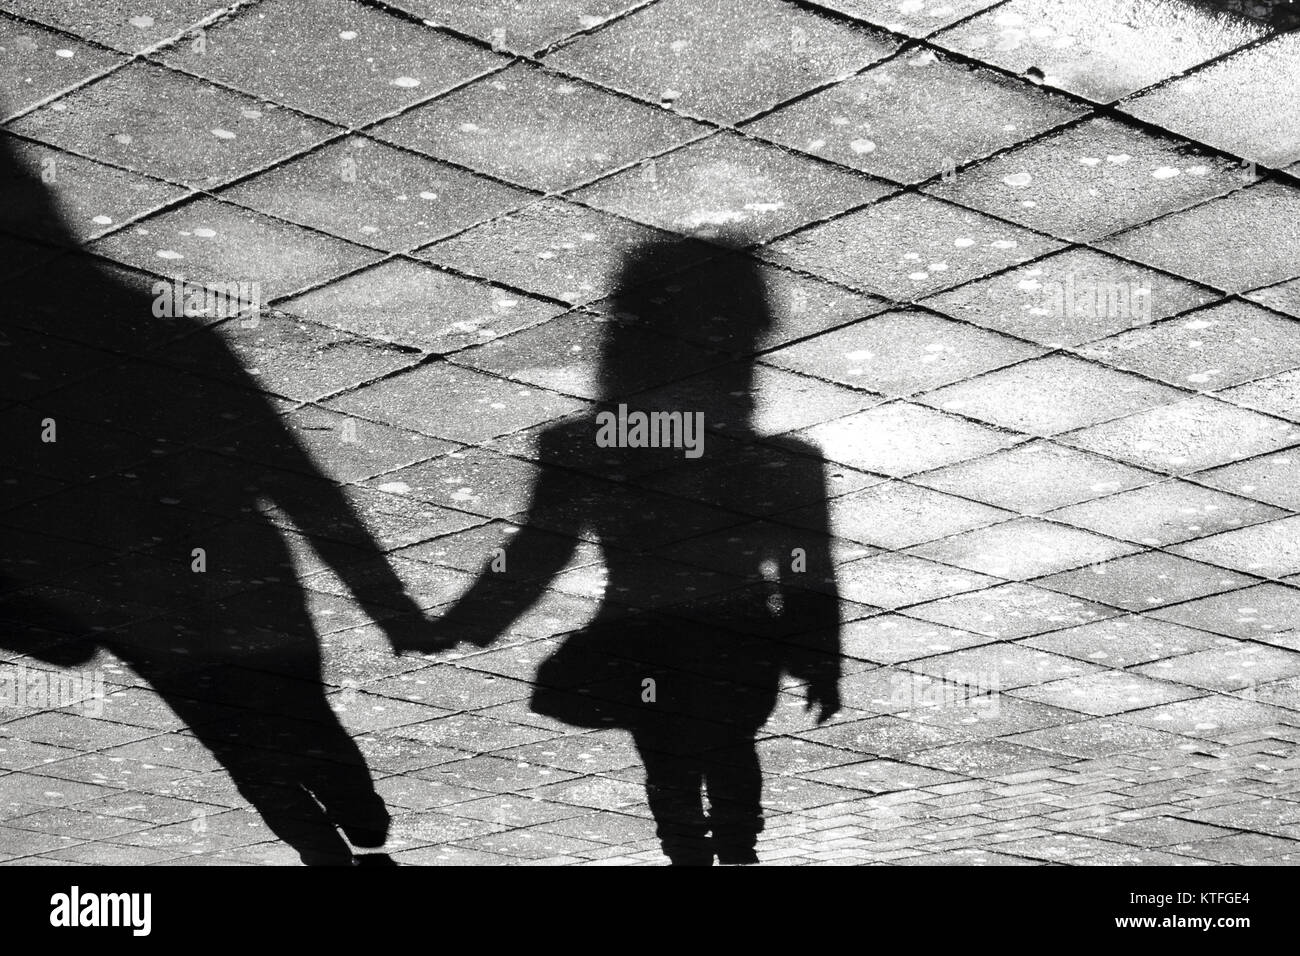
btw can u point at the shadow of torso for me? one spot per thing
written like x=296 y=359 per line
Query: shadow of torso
x=705 y=604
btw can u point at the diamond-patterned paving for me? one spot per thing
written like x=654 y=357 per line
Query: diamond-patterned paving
x=1028 y=390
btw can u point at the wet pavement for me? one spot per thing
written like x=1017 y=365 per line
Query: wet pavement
x=1035 y=273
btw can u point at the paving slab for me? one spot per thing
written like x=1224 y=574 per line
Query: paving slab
x=1071 y=297
x=1028 y=397
x=899 y=580
x=1096 y=738
x=496 y=405
x=391 y=302
x=1252 y=233
x=207 y=242
x=92 y=198
x=530 y=126
x=1250 y=613
x=1121 y=642
x=912 y=19
x=1102 y=51
x=373 y=194
x=336 y=59
x=1012 y=610
x=1275 y=394
x=115 y=27
x=1227 y=668
x=39 y=63
x=1023 y=548
x=901 y=353
x=905 y=120
x=900 y=438
x=172 y=126
x=1211 y=348
x=909 y=246
x=1035 y=477
x=728 y=184
x=564 y=355
x=1105 y=693
x=1250 y=87
x=1185 y=436
x=681 y=61
x=1173 y=511
x=1147 y=580
x=999 y=666
x=1268 y=478
x=898 y=514
x=1091 y=179
x=1209 y=717
x=1267 y=550
x=553 y=248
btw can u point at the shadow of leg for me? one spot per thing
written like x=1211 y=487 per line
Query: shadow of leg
x=291 y=814
x=339 y=779
x=674 y=789
x=289 y=756
x=734 y=782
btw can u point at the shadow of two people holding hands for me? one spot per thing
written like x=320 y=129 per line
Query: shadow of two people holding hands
x=141 y=443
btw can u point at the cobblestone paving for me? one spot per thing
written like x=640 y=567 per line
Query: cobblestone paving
x=1040 y=262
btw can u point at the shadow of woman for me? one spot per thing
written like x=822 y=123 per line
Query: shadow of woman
x=125 y=533
x=705 y=610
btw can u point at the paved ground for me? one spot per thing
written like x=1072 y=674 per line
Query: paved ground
x=1038 y=273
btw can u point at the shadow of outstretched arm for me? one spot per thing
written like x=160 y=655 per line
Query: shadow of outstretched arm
x=339 y=535
x=530 y=560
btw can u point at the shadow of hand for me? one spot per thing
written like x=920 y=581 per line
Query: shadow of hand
x=416 y=634
x=823 y=696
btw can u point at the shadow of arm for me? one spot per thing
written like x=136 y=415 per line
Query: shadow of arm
x=339 y=535
x=812 y=609
x=527 y=564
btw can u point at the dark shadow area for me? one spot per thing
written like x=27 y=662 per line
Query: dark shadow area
x=124 y=532
x=707 y=607
x=1279 y=15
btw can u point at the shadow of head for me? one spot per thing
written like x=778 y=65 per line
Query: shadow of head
x=673 y=316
